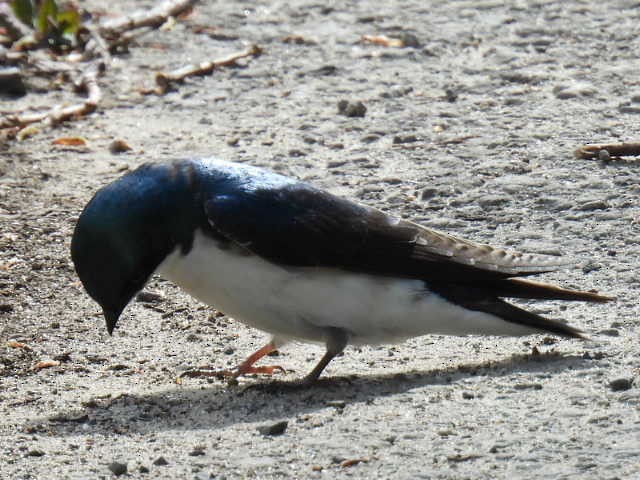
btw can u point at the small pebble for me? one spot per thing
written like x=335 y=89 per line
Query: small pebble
x=594 y=205
x=573 y=90
x=118 y=468
x=149 y=297
x=620 y=384
x=468 y=395
x=197 y=452
x=527 y=386
x=119 y=146
x=351 y=109
x=160 y=461
x=6 y=308
x=143 y=469
x=610 y=332
x=400 y=139
x=428 y=193
x=604 y=155
x=11 y=82
x=336 y=403
x=35 y=453
x=277 y=428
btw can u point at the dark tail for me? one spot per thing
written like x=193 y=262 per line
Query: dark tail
x=520 y=288
x=487 y=299
x=513 y=314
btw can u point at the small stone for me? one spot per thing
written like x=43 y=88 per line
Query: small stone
x=371 y=138
x=400 y=139
x=336 y=403
x=277 y=428
x=63 y=357
x=409 y=40
x=620 y=384
x=233 y=142
x=229 y=351
x=197 y=452
x=527 y=386
x=118 y=468
x=119 y=146
x=143 y=469
x=351 y=109
x=428 y=193
x=487 y=201
x=11 y=82
x=35 y=453
x=610 y=332
x=591 y=267
x=593 y=205
x=149 y=297
x=628 y=107
x=160 y=461
x=573 y=90
x=604 y=155
x=203 y=476
x=336 y=163
x=295 y=152
x=6 y=308
x=468 y=395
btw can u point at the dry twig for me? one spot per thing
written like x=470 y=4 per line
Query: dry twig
x=597 y=150
x=164 y=81
x=153 y=18
x=88 y=82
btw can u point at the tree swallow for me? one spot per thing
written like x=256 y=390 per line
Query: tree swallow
x=300 y=263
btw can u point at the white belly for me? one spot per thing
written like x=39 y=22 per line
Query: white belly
x=299 y=303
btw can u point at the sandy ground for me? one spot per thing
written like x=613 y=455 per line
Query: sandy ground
x=471 y=132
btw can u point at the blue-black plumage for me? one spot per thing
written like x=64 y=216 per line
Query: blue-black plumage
x=299 y=262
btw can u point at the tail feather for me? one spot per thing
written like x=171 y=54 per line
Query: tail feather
x=513 y=314
x=487 y=299
x=520 y=288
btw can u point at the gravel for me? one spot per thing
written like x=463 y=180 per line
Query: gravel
x=498 y=95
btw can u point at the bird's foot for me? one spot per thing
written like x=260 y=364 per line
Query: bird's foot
x=206 y=372
x=231 y=374
x=262 y=370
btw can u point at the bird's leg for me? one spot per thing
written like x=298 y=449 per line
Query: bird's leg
x=247 y=367
x=336 y=342
x=244 y=368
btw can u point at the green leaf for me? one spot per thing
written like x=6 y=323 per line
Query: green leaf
x=68 y=22
x=23 y=9
x=48 y=10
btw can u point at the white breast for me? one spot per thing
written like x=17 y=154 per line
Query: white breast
x=298 y=303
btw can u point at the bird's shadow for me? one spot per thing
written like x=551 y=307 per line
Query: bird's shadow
x=219 y=405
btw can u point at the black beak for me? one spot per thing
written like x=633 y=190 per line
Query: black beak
x=111 y=316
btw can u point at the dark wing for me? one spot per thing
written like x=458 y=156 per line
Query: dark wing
x=299 y=225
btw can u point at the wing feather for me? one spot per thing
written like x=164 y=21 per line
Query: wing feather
x=299 y=225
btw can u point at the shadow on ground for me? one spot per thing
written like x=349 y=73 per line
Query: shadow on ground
x=219 y=405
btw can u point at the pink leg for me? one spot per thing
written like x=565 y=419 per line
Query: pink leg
x=244 y=368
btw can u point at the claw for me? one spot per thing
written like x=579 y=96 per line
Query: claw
x=244 y=368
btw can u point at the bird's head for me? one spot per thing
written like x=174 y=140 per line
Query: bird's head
x=125 y=232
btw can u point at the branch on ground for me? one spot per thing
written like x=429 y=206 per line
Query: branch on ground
x=165 y=81
x=154 y=18
x=88 y=83
x=605 y=151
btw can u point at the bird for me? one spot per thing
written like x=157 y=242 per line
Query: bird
x=300 y=263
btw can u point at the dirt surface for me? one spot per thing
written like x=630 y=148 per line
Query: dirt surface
x=470 y=131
